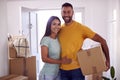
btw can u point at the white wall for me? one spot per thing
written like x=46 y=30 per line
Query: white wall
x=118 y=41
x=14 y=18
x=114 y=39
x=3 y=39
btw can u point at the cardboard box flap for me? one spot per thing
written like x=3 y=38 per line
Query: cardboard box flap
x=14 y=77
x=20 y=78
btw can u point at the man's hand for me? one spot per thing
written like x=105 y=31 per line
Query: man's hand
x=107 y=66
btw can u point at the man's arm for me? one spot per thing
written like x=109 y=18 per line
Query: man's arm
x=99 y=39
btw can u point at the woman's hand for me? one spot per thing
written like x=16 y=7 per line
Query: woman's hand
x=66 y=60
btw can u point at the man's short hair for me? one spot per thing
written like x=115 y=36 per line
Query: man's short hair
x=67 y=5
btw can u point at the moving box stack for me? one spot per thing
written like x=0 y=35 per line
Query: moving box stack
x=22 y=65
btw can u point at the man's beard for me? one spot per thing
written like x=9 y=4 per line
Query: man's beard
x=67 y=20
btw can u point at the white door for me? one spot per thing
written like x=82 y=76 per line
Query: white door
x=29 y=29
x=33 y=32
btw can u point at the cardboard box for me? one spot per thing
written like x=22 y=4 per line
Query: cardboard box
x=12 y=52
x=7 y=77
x=23 y=66
x=92 y=61
x=14 y=77
x=17 y=66
x=20 y=78
x=31 y=68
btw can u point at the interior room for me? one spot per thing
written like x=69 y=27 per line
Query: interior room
x=29 y=18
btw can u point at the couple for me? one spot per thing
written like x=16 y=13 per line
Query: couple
x=66 y=44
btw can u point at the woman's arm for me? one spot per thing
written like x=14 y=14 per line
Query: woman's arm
x=45 y=57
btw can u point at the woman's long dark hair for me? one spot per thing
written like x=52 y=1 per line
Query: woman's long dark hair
x=48 y=26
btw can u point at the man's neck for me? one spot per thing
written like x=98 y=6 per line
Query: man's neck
x=69 y=23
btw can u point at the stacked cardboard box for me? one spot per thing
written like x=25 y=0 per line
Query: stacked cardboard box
x=25 y=66
x=92 y=62
x=12 y=52
x=14 y=77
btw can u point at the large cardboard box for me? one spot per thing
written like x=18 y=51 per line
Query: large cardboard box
x=14 y=77
x=12 y=52
x=92 y=61
x=31 y=68
x=23 y=66
x=17 y=66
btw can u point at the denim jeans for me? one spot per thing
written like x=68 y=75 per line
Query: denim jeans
x=49 y=77
x=75 y=74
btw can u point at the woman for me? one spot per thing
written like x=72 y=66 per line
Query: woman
x=50 y=51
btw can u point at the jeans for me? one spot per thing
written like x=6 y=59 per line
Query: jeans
x=49 y=77
x=75 y=74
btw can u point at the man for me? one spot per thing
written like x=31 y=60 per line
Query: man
x=71 y=38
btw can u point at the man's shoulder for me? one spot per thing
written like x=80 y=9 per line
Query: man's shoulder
x=78 y=23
